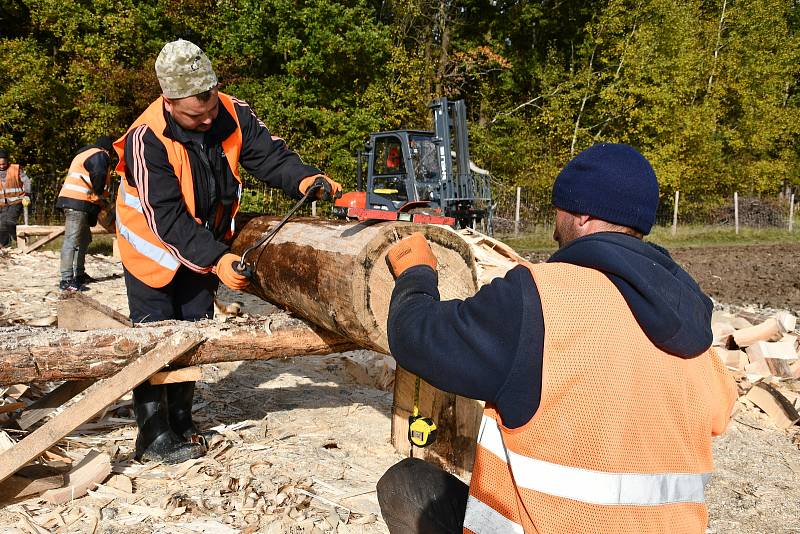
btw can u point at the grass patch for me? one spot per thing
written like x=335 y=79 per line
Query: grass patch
x=687 y=236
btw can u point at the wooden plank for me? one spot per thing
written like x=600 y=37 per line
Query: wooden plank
x=45 y=405
x=30 y=480
x=93 y=469
x=185 y=374
x=43 y=241
x=774 y=404
x=98 y=396
x=78 y=312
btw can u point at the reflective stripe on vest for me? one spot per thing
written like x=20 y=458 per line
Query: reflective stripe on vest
x=129 y=200
x=621 y=440
x=157 y=254
x=78 y=182
x=12 y=192
x=481 y=517
x=595 y=487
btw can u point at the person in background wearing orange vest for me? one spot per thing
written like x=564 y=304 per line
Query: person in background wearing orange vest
x=15 y=194
x=602 y=392
x=86 y=190
x=179 y=193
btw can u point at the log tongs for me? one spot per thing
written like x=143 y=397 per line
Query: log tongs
x=241 y=266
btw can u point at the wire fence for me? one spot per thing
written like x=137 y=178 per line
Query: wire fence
x=534 y=212
x=517 y=210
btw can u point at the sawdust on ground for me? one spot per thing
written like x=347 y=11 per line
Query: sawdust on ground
x=304 y=444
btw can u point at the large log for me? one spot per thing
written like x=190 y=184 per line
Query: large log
x=334 y=274
x=40 y=355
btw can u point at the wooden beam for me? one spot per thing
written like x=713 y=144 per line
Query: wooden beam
x=45 y=405
x=98 y=396
x=46 y=355
x=458 y=420
x=28 y=230
x=774 y=404
x=43 y=241
x=185 y=374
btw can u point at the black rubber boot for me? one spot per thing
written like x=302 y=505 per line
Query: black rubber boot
x=179 y=407
x=156 y=441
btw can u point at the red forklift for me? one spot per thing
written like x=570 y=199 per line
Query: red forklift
x=422 y=176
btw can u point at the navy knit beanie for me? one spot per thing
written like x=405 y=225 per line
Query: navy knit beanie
x=612 y=182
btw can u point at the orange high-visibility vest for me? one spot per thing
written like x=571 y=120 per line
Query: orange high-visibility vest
x=11 y=193
x=149 y=259
x=621 y=441
x=78 y=183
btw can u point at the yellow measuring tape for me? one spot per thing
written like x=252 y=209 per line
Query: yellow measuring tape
x=421 y=430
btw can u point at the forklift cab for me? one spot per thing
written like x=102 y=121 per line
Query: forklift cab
x=403 y=168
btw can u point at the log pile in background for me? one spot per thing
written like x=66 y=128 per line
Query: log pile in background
x=765 y=359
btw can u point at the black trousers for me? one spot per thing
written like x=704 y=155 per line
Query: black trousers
x=188 y=297
x=9 y=215
x=418 y=497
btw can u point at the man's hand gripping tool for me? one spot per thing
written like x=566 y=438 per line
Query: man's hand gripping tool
x=241 y=265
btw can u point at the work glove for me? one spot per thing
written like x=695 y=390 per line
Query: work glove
x=329 y=190
x=26 y=201
x=228 y=275
x=409 y=252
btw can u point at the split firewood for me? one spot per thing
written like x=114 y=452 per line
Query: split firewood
x=734 y=359
x=773 y=403
x=769 y=330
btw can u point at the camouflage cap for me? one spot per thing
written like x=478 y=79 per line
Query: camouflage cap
x=184 y=70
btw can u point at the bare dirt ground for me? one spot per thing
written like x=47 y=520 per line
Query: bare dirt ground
x=304 y=443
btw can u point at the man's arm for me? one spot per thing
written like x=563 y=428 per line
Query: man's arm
x=97 y=165
x=149 y=170
x=267 y=157
x=487 y=347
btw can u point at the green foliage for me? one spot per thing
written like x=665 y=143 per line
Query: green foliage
x=707 y=89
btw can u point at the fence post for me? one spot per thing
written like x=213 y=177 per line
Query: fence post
x=516 y=213
x=736 y=210
x=791 y=212
x=675 y=214
x=314 y=209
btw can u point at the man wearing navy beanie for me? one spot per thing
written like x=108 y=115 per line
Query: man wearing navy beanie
x=607 y=183
x=602 y=392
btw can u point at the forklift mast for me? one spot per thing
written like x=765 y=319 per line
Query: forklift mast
x=466 y=191
x=410 y=170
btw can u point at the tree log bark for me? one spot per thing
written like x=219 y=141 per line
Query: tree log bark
x=42 y=355
x=334 y=274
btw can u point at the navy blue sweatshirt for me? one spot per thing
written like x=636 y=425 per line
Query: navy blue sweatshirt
x=490 y=346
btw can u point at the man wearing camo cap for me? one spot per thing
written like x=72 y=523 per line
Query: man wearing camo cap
x=179 y=193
